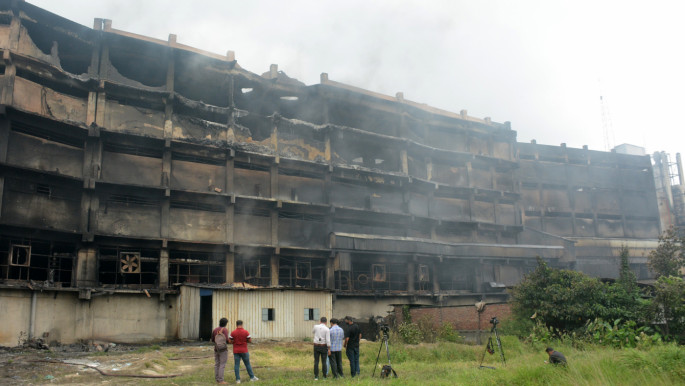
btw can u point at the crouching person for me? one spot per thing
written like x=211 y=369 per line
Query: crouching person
x=555 y=357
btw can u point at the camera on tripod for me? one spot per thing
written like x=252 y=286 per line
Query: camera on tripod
x=491 y=347
x=385 y=329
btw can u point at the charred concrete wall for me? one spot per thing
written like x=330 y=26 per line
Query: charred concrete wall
x=59 y=316
x=131 y=163
x=600 y=200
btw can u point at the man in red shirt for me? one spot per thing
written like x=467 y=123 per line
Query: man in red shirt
x=220 y=356
x=240 y=338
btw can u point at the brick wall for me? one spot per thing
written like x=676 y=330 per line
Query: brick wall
x=461 y=317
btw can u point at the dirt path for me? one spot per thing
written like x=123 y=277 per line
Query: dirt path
x=30 y=366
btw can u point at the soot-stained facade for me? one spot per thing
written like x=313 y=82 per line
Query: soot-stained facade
x=130 y=164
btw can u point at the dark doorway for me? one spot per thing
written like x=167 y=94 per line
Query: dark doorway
x=206 y=314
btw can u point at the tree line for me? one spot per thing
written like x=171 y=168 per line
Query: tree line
x=564 y=302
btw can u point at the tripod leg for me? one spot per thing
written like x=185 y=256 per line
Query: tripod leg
x=499 y=345
x=377 y=356
x=387 y=350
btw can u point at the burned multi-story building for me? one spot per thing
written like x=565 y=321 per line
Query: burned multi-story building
x=157 y=187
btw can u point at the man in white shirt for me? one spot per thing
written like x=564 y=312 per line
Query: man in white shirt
x=322 y=346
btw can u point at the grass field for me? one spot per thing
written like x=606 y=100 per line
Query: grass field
x=424 y=364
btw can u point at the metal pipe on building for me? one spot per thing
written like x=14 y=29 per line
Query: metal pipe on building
x=681 y=176
x=32 y=316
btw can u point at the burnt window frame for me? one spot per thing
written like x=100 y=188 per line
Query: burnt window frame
x=50 y=262
x=193 y=263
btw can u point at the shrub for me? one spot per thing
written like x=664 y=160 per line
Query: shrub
x=620 y=334
x=409 y=333
x=669 y=306
x=447 y=333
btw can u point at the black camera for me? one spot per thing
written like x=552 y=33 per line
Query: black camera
x=494 y=321
x=385 y=329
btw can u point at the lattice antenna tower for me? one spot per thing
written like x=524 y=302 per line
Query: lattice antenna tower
x=607 y=124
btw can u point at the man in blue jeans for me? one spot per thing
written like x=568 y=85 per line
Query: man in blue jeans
x=240 y=338
x=352 y=337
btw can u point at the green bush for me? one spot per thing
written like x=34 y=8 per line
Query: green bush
x=519 y=327
x=409 y=333
x=447 y=333
x=620 y=334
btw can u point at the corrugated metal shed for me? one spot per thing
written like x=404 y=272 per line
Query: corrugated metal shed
x=188 y=313
x=248 y=305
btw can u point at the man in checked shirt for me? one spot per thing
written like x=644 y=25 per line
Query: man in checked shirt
x=322 y=347
x=335 y=355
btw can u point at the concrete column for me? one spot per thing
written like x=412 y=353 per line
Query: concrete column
x=469 y=174
x=327 y=144
x=327 y=185
x=411 y=276
x=274 y=269
x=230 y=212
x=273 y=174
x=274 y=138
x=86 y=267
x=274 y=226
x=166 y=201
x=404 y=161
x=493 y=177
x=477 y=278
x=4 y=139
x=90 y=201
x=229 y=171
x=434 y=279
x=164 y=268
x=429 y=169
x=230 y=267
x=330 y=273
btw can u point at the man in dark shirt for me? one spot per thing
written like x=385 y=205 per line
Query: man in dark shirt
x=220 y=356
x=352 y=337
x=555 y=357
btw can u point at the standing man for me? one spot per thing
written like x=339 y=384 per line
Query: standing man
x=220 y=350
x=352 y=338
x=337 y=337
x=322 y=347
x=555 y=357
x=240 y=338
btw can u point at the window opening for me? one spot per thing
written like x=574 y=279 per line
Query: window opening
x=378 y=272
x=311 y=314
x=21 y=255
x=299 y=272
x=255 y=270
x=196 y=267
x=268 y=314
x=45 y=261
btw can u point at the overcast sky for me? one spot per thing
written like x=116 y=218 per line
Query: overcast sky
x=542 y=65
